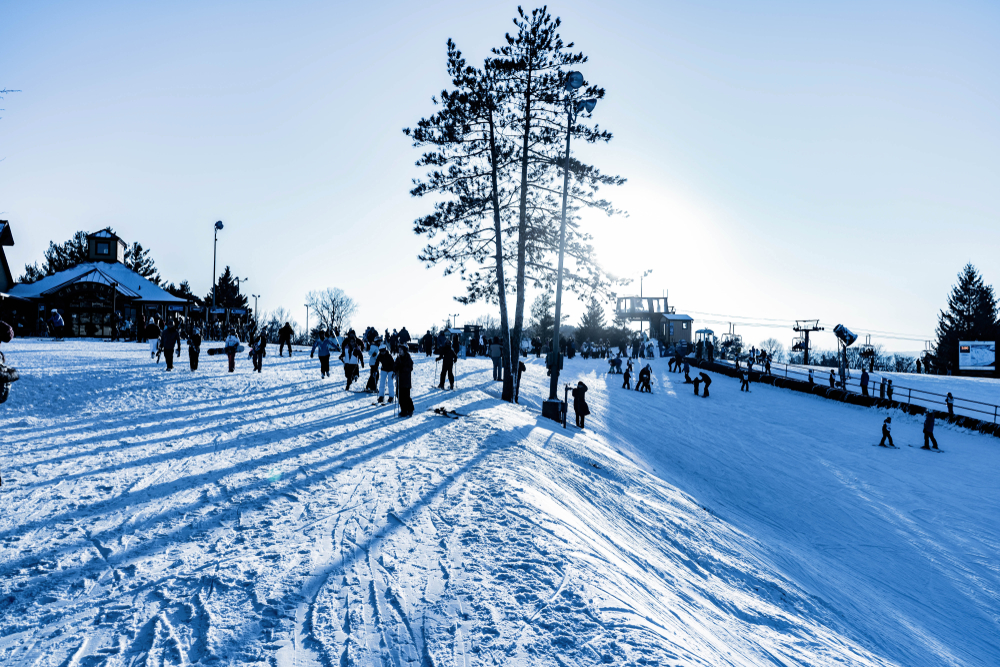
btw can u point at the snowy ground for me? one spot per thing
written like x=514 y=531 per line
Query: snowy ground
x=169 y=519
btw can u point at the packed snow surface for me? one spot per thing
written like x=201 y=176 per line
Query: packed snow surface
x=154 y=518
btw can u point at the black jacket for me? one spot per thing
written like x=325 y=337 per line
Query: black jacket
x=285 y=333
x=386 y=362
x=579 y=399
x=170 y=338
x=404 y=366
x=447 y=356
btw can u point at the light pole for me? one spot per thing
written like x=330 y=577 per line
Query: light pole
x=238 y=285
x=552 y=408
x=454 y=321
x=307 y=320
x=255 y=297
x=215 y=247
x=644 y=274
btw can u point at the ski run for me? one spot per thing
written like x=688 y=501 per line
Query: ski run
x=154 y=518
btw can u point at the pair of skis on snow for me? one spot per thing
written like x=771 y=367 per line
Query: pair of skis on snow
x=935 y=450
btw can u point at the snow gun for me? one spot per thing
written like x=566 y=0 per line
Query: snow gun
x=846 y=336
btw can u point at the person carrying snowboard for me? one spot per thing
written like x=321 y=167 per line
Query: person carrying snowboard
x=404 y=375
x=194 y=347
x=387 y=370
x=886 y=433
x=285 y=338
x=708 y=381
x=232 y=346
x=929 y=431
x=580 y=403
x=322 y=346
x=447 y=357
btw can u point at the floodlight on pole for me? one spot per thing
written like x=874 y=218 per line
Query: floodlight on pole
x=553 y=407
x=215 y=247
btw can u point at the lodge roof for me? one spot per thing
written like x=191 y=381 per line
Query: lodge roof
x=130 y=284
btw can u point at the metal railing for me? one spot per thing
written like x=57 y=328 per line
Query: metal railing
x=901 y=394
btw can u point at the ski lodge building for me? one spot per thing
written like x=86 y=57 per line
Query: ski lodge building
x=88 y=294
x=662 y=321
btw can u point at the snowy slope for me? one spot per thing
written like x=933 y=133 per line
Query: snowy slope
x=155 y=519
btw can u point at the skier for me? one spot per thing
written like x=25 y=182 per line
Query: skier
x=387 y=370
x=447 y=357
x=580 y=403
x=627 y=384
x=232 y=345
x=645 y=375
x=168 y=339
x=745 y=380
x=708 y=381
x=404 y=370
x=194 y=347
x=864 y=382
x=929 y=431
x=949 y=400
x=153 y=335
x=285 y=338
x=322 y=345
x=259 y=350
x=886 y=432
x=496 y=352
x=352 y=357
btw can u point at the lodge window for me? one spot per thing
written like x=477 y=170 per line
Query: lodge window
x=103 y=248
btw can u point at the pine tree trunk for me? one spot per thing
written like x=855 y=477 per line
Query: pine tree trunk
x=522 y=229
x=508 y=377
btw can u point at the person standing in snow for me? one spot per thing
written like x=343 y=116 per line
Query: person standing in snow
x=886 y=433
x=888 y=390
x=285 y=334
x=372 y=385
x=153 y=335
x=447 y=357
x=949 y=400
x=322 y=346
x=57 y=325
x=353 y=358
x=708 y=381
x=580 y=403
x=881 y=389
x=767 y=364
x=627 y=383
x=745 y=380
x=427 y=342
x=697 y=383
x=404 y=378
x=259 y=351
x=168 y=339
x=645 y=376
x=812 y=381
x=194 y=347
x=387 y=371
x=864 y=382
x=929 y=431
x=833 y=380
x=496 y=353
x=232 y=346
x=404 y=339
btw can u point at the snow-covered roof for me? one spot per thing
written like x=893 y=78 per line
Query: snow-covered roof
x=104 y=234
x=130 y=283
x=677 y=316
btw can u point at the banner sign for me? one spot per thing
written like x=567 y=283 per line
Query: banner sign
x=217 y=311
x=176 y=309
x=238 y=311
x=196 y=309
x=977 y=355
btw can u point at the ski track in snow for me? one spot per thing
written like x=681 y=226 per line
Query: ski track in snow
x=157 y=519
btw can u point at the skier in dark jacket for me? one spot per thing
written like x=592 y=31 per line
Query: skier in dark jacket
x=627 y=380
x=580 y=403
x=887 y=432
x=169 y=339
x=285 y=338
x=258 y=351
x=645 y=377
x=404 y=371
x=929 y=431
x=745 y=380
x=447 y=357
x=387 y=370
x=404 y=338
x=707 y=380
x=194 y=347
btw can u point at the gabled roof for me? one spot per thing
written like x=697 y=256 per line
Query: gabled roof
x=104 y=234
x=102 y=273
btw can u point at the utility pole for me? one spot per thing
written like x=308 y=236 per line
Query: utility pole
x=805 y=327
x=454 y=322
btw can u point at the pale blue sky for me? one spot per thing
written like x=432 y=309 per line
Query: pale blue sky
x=785 y=160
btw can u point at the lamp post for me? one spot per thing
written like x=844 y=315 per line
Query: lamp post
x=255 y=297
x=644 y=274
x=215 y=247
x=552 y=408
x=454 y=321
x=114 y=308
x=307 y=320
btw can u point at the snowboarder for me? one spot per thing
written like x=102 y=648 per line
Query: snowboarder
x=745 y=380
x=322 y=346
x=864 y=382
x=949 y=400
x=232 y=345
x=580 y=403
x=447 y=357
x=645 y=376
x=285 y=338
x=387 y=370
x=886 y=433
x=496 y=352
x=259 y=350
x=194 y=347
x=168 y=339
x=929 y=431
x=708 y=381
x=404 y=371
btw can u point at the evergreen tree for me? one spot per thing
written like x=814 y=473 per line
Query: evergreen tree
x=137 y=259
x=591 y=325
x=971 y=315
x=74 y=251
x=182 y=291
x=226 y=292
x=543 y=316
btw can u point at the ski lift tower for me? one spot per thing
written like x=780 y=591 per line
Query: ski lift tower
x=805 y=327
x=867 y=353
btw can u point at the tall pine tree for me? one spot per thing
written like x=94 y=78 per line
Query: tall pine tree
x=226 y=293
x=591 y=325
x=971 y=315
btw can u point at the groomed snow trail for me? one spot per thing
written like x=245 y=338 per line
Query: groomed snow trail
x=156 y=518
